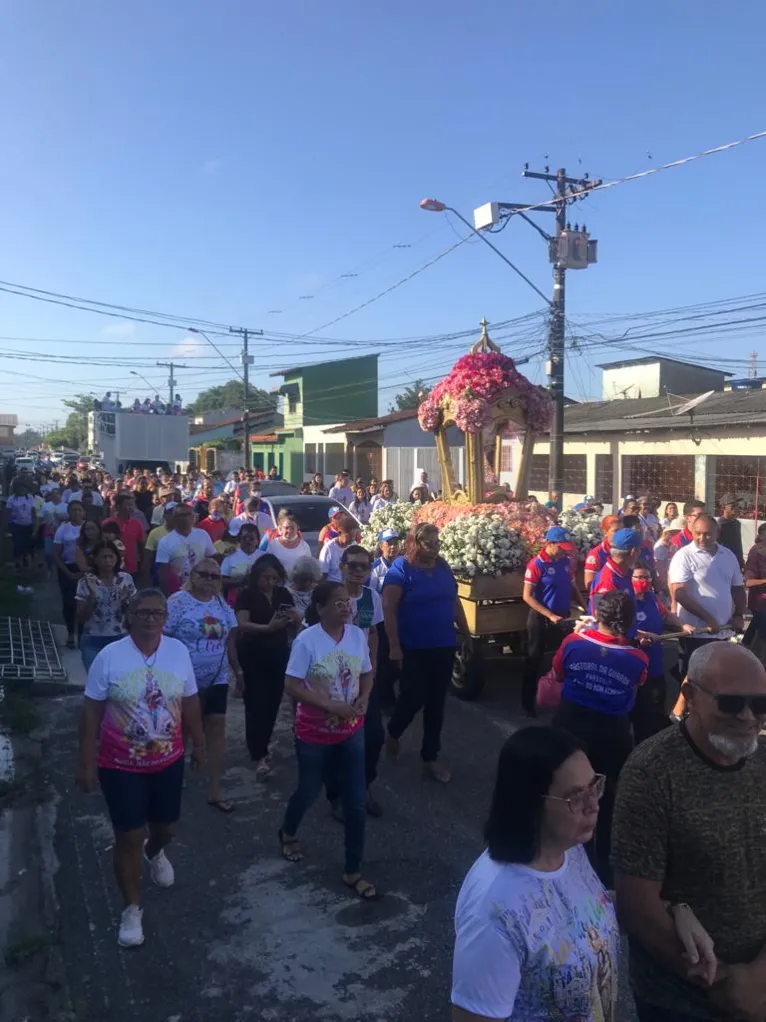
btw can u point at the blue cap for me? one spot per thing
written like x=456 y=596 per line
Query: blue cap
x=557 y=534
x=580 y=507
x=625 y=540
x=387 y=534
x=333 y=511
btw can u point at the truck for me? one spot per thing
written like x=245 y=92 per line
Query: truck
x=123 y=440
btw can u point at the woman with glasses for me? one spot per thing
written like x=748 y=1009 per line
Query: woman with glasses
x=102 y=598
x=204 y=622
x=330 y=677
x=536 y=936
x=139 y=698
x=600 y=672
x=421 y=610
x=265 y=610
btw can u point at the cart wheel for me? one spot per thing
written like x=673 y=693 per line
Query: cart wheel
x=467 y=672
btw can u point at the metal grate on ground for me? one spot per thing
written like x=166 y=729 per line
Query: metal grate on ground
x=28 y=651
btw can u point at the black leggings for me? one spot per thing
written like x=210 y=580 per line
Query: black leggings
x=608 y=743
x=264 y=678
x=541 y=633
x=424 y=682
x=68 y=587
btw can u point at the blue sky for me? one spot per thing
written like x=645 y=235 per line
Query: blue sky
x=221 y=160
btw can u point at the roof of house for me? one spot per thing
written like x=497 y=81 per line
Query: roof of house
x=722 y=408
x=263 y=438
x=313 y=365
x=646 y=360
x=362 y=425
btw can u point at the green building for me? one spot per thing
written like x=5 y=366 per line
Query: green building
x=318 y=395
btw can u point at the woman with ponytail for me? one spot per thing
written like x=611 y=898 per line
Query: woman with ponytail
x=329 y=675
x=600 y=673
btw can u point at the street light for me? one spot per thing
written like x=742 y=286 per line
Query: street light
x=134 y=373
x=435 y=206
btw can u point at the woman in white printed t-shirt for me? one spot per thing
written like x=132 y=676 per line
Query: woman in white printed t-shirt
x=329 y=674
x=65 y=559
x=288 y=545
x=536 y=935
x=206 y=624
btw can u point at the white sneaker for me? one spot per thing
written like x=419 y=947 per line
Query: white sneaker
x=160 y=870
x=131 y=932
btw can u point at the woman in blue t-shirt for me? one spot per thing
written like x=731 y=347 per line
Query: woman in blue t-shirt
x=421 y=610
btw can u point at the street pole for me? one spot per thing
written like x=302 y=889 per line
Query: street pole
x=171 y=379
x=244 y=333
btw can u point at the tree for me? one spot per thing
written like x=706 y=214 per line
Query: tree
x=29 y=438
x=74 y=432
x=411 y=396
x=232 y=395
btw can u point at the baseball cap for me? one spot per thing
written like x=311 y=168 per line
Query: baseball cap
x=557 y=534
x=333 y=511
x=625 y=540
x=387 y=534
x=166 y=491
x=677 y=525
x=170 y=506
x=729 y=498
x=590 y=499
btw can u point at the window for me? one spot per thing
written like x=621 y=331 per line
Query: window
x=664 y=476
x=310 y=454
x=742 y=477
x=292 y=403
x=538 y=473
x=334 y=458
x=604 y=478
x=210 y=454
x=575 y=473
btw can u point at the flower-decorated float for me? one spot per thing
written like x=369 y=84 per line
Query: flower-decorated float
x=486 y=536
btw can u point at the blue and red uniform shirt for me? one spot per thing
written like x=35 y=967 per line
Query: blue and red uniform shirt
x=650 y=615
x=646 y=554
x=600 y=672
x=597 y=557
x=609 y=579
x=552 y=579
x=681 y=539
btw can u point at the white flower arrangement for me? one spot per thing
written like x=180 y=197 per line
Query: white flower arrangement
x=584 y=528
x=393 y=516
x=481 y=545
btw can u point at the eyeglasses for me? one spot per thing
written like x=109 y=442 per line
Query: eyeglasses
x=358 y=565
x=208 y=576
x=150 y=615
x=733 y=705
x=342 y=604
x=582 y=799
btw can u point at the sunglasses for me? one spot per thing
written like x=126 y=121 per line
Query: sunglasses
x=150 y=615
x=342 y=604
x=733 y=705
x=209 y=576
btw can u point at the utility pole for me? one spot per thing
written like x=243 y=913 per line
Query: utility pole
x=247 y=361
x=171 y=381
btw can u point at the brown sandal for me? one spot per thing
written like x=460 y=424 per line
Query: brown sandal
x=362 y=888
x=290 y=848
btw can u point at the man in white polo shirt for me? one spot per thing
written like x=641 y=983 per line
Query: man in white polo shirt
x=706 y=585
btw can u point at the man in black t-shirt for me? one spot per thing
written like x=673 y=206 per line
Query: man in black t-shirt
x=729 y=528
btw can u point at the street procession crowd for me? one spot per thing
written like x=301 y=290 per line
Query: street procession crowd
x=178 y=587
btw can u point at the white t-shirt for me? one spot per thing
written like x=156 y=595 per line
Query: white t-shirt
x=237 y=564
x=261 y=519
x=53 y=514
x=287 y=555
x=97 y=500
x=533 y=946
x=329 y=560
x=708 y=578
x=67 y=535
x=375 y=613
x=141 y=726
x=21 y=510
x=183 y=552
x=343 y=494
x=202 y=628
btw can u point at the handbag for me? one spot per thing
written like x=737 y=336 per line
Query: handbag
x=549 y=691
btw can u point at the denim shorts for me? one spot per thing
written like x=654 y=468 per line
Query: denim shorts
x=135 y=799
x=214 y=699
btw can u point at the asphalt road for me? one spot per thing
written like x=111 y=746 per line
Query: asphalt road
x=244 y=935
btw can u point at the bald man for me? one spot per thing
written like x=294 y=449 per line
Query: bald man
x=689 y=831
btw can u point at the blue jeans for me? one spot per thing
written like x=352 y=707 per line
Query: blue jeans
x=91 y=646
x=374 y=739
x=346 y=760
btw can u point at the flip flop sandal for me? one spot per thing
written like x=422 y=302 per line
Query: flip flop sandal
x=223 y=805
x=296 y=855
x=363 y=889
x=262 y=771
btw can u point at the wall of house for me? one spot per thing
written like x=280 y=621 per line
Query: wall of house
x=338 y=391
x=407 y=448
x=631 y=382
x=687 y=379
x=286 y=453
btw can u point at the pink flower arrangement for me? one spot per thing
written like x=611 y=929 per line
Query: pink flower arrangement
x=474 y=382
x=528 y=522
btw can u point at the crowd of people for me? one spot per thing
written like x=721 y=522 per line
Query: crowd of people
x=180 y=587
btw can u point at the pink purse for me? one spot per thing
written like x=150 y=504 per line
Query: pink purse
x=549 y=691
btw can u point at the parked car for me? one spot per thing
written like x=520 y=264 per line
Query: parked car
x=312 y=512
